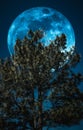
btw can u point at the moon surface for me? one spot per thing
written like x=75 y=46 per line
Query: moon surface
x=49 y=20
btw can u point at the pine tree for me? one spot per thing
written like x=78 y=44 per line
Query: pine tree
x=38 y=87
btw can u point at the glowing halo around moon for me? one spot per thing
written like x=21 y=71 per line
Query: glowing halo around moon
x=52 y=22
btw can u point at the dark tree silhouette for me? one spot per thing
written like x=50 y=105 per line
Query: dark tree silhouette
x=38 y=87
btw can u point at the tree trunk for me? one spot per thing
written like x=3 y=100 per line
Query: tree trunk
x=35 y=126
x=40 y=110
x=34 y=115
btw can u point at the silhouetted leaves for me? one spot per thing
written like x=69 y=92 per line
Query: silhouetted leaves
x=36 y=75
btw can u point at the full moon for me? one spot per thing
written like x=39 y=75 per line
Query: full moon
x=49 y=20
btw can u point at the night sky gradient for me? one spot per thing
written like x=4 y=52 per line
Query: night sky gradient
x=72 y=9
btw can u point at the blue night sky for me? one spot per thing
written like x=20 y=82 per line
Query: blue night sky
x=72 y=9
x=10 y=9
